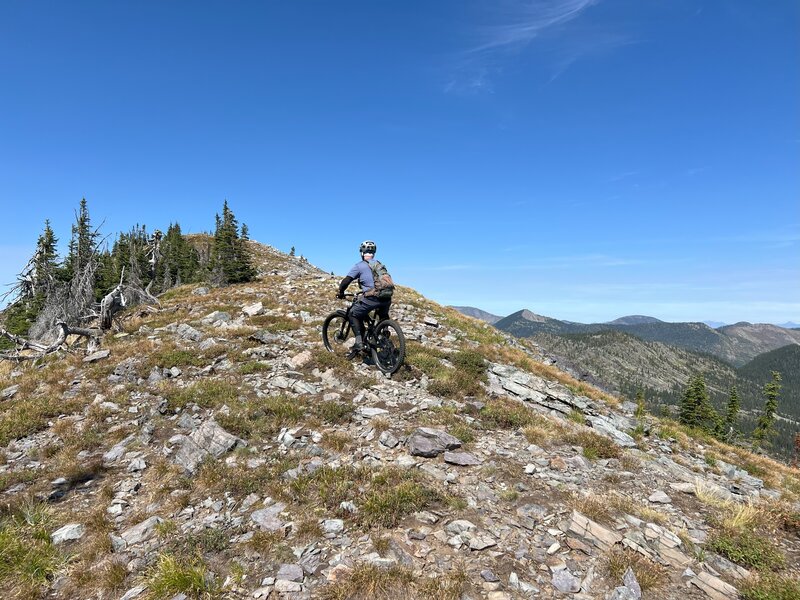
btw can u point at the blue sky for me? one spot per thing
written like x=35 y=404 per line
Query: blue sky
x=582 y=159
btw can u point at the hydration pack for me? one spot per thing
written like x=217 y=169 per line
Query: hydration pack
x=384 y=286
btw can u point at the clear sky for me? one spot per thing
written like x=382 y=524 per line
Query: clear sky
x=582 y=159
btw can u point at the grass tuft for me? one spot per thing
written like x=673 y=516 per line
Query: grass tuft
x=648 y=574
x=172 y=575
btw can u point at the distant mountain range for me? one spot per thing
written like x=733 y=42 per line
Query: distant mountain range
x=478 y=314
x=735 y=344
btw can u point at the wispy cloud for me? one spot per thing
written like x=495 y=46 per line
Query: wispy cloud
x=527 y=21
x=517 y=23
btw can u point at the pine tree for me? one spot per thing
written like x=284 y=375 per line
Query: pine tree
x=82 y=244
x=45 y=260
x=179 y=263
x=231 y=262
x=245 y=233
x=765 y=426
x=35 y=283
x=696 y=409
x=732 y=413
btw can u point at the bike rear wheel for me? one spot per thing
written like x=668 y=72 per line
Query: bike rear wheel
x=337 y=333
x=389 y=349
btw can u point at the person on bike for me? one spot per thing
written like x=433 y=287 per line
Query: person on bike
x=362 y=272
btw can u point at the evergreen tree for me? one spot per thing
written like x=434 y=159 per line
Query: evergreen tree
x=765 y=426
x=45 y=260
x=245 y=232
x=35 y=283
x=231 y=261
x=732 y=412
x=82 y=244
x=179 y=263
x=696 y=409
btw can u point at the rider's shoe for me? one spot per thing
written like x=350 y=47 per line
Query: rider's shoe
x=355 y=351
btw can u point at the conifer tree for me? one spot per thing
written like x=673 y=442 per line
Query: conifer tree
x=82 y=244
x=35 y=283
x=45 y=260
x=231 y=262
x=765 y=426
x=696 y=409
x=732 y=412
x=245 y=232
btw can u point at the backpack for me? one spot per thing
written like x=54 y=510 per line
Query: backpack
x=384 y=286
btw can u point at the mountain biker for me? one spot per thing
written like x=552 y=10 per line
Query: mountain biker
x=362 y=272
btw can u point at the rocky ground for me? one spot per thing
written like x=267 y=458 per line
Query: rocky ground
x=215 y=449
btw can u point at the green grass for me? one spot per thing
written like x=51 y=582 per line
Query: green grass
x=28 y=559
x=506 y=414
x=770 y=587
x=206 y=394
x=276 y=323
x=260 y=417
x=463 y=380
x=747 y=548
x=172 y=575
x=383 y=497
x=253 y=366
x=391 y=500
x=334 y=412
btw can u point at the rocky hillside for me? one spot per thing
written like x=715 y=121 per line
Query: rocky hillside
x=213 y=449
x=477 y=313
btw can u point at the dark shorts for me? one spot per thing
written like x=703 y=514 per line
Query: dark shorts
x=367 y=304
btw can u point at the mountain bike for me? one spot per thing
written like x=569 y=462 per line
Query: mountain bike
x=383 y=339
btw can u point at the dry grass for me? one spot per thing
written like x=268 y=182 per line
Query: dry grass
x=368 y=582
x=592 y=505
x=383 y=497
x=594 y=445
x=640 y=510
x=543 y=431
x=649 y=575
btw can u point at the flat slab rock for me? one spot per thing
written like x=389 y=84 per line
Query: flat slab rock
x=463 y=459
x=95 y=356
x=430 y=443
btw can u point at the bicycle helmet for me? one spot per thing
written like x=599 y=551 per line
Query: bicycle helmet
x=368 y=247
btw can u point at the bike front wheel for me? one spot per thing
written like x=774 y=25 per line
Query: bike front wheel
x=389 y=349
x=336 y=333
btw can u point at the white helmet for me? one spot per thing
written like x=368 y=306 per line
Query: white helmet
x=368 y=247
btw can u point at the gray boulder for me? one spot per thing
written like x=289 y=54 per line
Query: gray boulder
x=429 y=442
x=207 y=440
